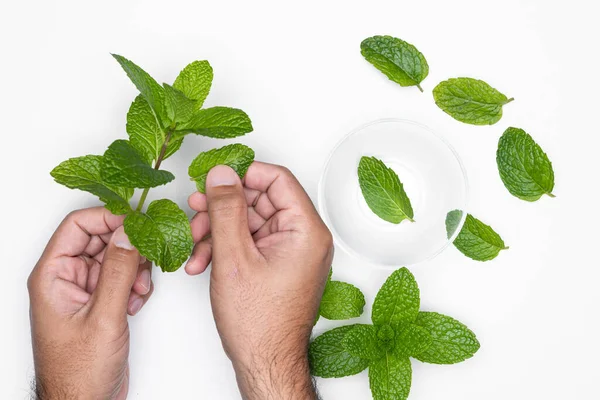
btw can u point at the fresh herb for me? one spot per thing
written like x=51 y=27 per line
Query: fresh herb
x=237 y=156
x=476 y=240
x=383 y=191
x=524 y=167
x=157 y=122
x=340 y=300
x=399 y=331
x=400 y=61
x=470 y=101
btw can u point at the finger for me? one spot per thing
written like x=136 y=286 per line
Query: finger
x=228 y=214
x=75 y=232
x=260 y=202
x=282 y=188
x=136 y=301
x=201 y=257
x=94 y=247
x=117 y=276
x=200 y=226
x=143 y=281
x=197 y=202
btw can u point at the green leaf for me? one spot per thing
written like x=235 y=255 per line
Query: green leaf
x=386 y=337
x=397 y=302
x=329 y=359
x=148 y=87
x=361 y=341
x=383 y=191
x=162 y=235
x=452 y=342
x=195 y=81
x=83 y=173
x=477 y=240
x=452 y=222
x=470 y=101
x=341 y=300
x=412 y=340
x=122 y=165
x=401 y=62
x=177 y=106
x=237 y=156
x=390 y=378
x=524 y=167
x=217 y=122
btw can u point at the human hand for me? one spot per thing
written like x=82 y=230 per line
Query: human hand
x=81 y=290
x=271 y=255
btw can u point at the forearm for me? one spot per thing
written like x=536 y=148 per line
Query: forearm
x=277 y=378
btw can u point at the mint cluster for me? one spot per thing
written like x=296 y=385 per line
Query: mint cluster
x=399 y=331
x=157 y=122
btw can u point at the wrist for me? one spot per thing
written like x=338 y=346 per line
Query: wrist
x=282 y=376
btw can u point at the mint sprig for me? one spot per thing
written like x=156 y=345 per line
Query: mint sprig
x=399 y=331
x=157 y=121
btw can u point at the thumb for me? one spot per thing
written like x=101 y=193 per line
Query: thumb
x=117 y=275
x=228 y=214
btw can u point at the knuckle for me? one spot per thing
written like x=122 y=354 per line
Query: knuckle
x=228 y=203
x=72 y=216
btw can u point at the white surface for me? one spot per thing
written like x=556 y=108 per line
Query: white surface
x=297 y=70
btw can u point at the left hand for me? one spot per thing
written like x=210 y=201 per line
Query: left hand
x=81 y=290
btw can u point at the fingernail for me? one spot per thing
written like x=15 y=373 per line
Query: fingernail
x=221 y=175
x=145 y=280
x=136 y=306
x=121 y=240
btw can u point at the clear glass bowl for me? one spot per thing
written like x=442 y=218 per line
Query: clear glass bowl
x=434 y=180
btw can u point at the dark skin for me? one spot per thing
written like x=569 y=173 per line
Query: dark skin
x=270 y=254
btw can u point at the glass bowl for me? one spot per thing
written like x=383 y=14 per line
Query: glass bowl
x=434 y=180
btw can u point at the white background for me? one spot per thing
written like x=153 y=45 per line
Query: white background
x=296 y=69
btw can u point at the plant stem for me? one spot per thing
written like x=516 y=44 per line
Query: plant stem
x=159 y=160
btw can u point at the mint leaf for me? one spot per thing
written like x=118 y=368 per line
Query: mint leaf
x=470 y=101
x=83 y=173
x=477 y=240
x=123 y=166
x=237 y=156
x=361 y=341
x=329 y=359
x=390 y=378
x=452 y=342
x=145 y=133
x=386 y=337
x=400 y=61
x=524 y=167
x=397 y=302
x=177 y=106
x=383 y=191
x=452 y=222
x=148 y=87
x=195 y=81
x=217 y=122
x=163 y=234
x=412 y=340
x=341 y=300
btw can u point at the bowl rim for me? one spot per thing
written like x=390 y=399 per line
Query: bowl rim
x=320 y=193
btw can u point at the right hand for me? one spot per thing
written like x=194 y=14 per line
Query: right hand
x=271 y=255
